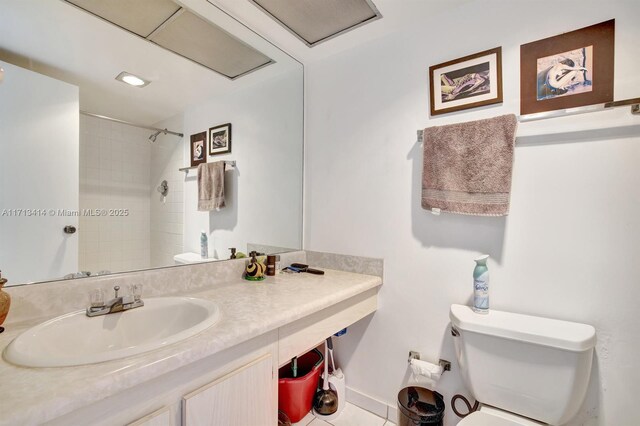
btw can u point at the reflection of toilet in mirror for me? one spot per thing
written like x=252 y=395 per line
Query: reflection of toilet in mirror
x=524 y=370
x=190 y=258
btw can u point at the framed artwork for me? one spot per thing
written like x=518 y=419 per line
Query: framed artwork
x=467 y=82
x=570 y=70
x=220 y=139
x=198 y=148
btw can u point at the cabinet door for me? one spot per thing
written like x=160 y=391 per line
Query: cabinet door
x=161 y=417
x=244 y=397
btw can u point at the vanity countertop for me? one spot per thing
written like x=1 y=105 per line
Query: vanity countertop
x=248 y=309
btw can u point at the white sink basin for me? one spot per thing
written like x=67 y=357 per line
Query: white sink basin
x=75 y=339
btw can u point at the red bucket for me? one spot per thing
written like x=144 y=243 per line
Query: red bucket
x=295 y=395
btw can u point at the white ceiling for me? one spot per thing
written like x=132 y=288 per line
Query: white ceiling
x=57 y=39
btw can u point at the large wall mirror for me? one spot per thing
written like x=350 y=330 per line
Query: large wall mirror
x=98 y=175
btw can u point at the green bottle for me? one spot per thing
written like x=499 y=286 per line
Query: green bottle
x=481 y=285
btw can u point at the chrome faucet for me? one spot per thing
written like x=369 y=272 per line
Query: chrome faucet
x=117 y=304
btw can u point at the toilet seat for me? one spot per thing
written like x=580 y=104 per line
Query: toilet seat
x=490 y=416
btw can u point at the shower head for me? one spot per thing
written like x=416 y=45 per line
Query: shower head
x=154 y=136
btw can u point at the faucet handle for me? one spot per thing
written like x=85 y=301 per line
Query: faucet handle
x=96 y=298
x=116 y=288
x=136 y=292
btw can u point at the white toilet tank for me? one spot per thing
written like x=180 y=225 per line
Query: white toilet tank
x=531 y=366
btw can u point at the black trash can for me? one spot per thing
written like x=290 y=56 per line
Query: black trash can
x=420 y=407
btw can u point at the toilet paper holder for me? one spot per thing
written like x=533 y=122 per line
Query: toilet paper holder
x=446 y=365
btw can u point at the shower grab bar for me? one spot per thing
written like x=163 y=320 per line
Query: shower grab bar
x=231 y=163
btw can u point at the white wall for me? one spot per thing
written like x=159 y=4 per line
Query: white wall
x=264 y=194
x=38 y=172
x=167 y=213
x=567 y=250
x=114 y=174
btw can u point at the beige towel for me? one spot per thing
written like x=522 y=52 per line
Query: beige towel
x=211 y=186
x=467 y=166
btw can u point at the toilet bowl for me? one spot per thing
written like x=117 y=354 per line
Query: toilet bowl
x=490 y=416
x=191 y=258
x=524 y=370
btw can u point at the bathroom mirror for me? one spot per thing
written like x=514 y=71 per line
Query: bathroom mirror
x=102 y=104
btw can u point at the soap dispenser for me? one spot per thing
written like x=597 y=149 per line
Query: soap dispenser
x=255 y=269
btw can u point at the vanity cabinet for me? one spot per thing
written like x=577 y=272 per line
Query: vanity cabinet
x=236 y=386
x=242 y=397
x=162 y=417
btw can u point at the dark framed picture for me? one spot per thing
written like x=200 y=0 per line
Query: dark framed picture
x=570 y=70
x=220 y=139
x=198 y=148
x=467 y=82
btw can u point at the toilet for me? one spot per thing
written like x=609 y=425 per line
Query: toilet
x=191 y=258
x=524 y=370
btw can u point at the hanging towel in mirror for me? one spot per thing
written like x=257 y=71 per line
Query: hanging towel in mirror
x=211 y=186
x=467 y=166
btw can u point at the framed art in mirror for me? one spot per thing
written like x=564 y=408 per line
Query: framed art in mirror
x=220 y=139
x=198 y=148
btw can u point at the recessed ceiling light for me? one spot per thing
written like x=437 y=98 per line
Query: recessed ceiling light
x=131 y=79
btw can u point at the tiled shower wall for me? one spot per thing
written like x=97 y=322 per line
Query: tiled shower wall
x=167 y=213
x=114 y=174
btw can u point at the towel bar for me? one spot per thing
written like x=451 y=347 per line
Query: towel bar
x=231 y=163
x=634 y=103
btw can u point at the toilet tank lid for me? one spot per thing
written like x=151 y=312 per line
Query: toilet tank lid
x=570 y=336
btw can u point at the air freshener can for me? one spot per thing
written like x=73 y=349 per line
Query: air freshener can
x=481 y=285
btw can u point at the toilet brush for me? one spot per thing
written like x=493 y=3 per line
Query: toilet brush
x=336 y=384
x=326 y=400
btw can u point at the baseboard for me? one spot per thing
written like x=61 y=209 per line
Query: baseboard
x=373 y=405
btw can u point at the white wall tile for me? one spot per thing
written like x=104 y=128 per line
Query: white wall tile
x=115 y=164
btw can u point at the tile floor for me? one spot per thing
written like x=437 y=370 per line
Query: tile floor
x=351 y=416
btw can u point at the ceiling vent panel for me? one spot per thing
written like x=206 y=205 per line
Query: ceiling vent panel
x=315 y=21
x=172 y=27
x=192 y=37
x=141 y=17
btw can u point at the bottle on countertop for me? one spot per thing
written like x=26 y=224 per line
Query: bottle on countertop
x=204 y=245
x=5 y=302
x=271 y=265
x=481 y=285
x=233 y=253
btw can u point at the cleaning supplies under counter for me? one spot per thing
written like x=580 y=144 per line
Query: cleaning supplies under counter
x=325 y=402
x=336 y=384
x=297 y=383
